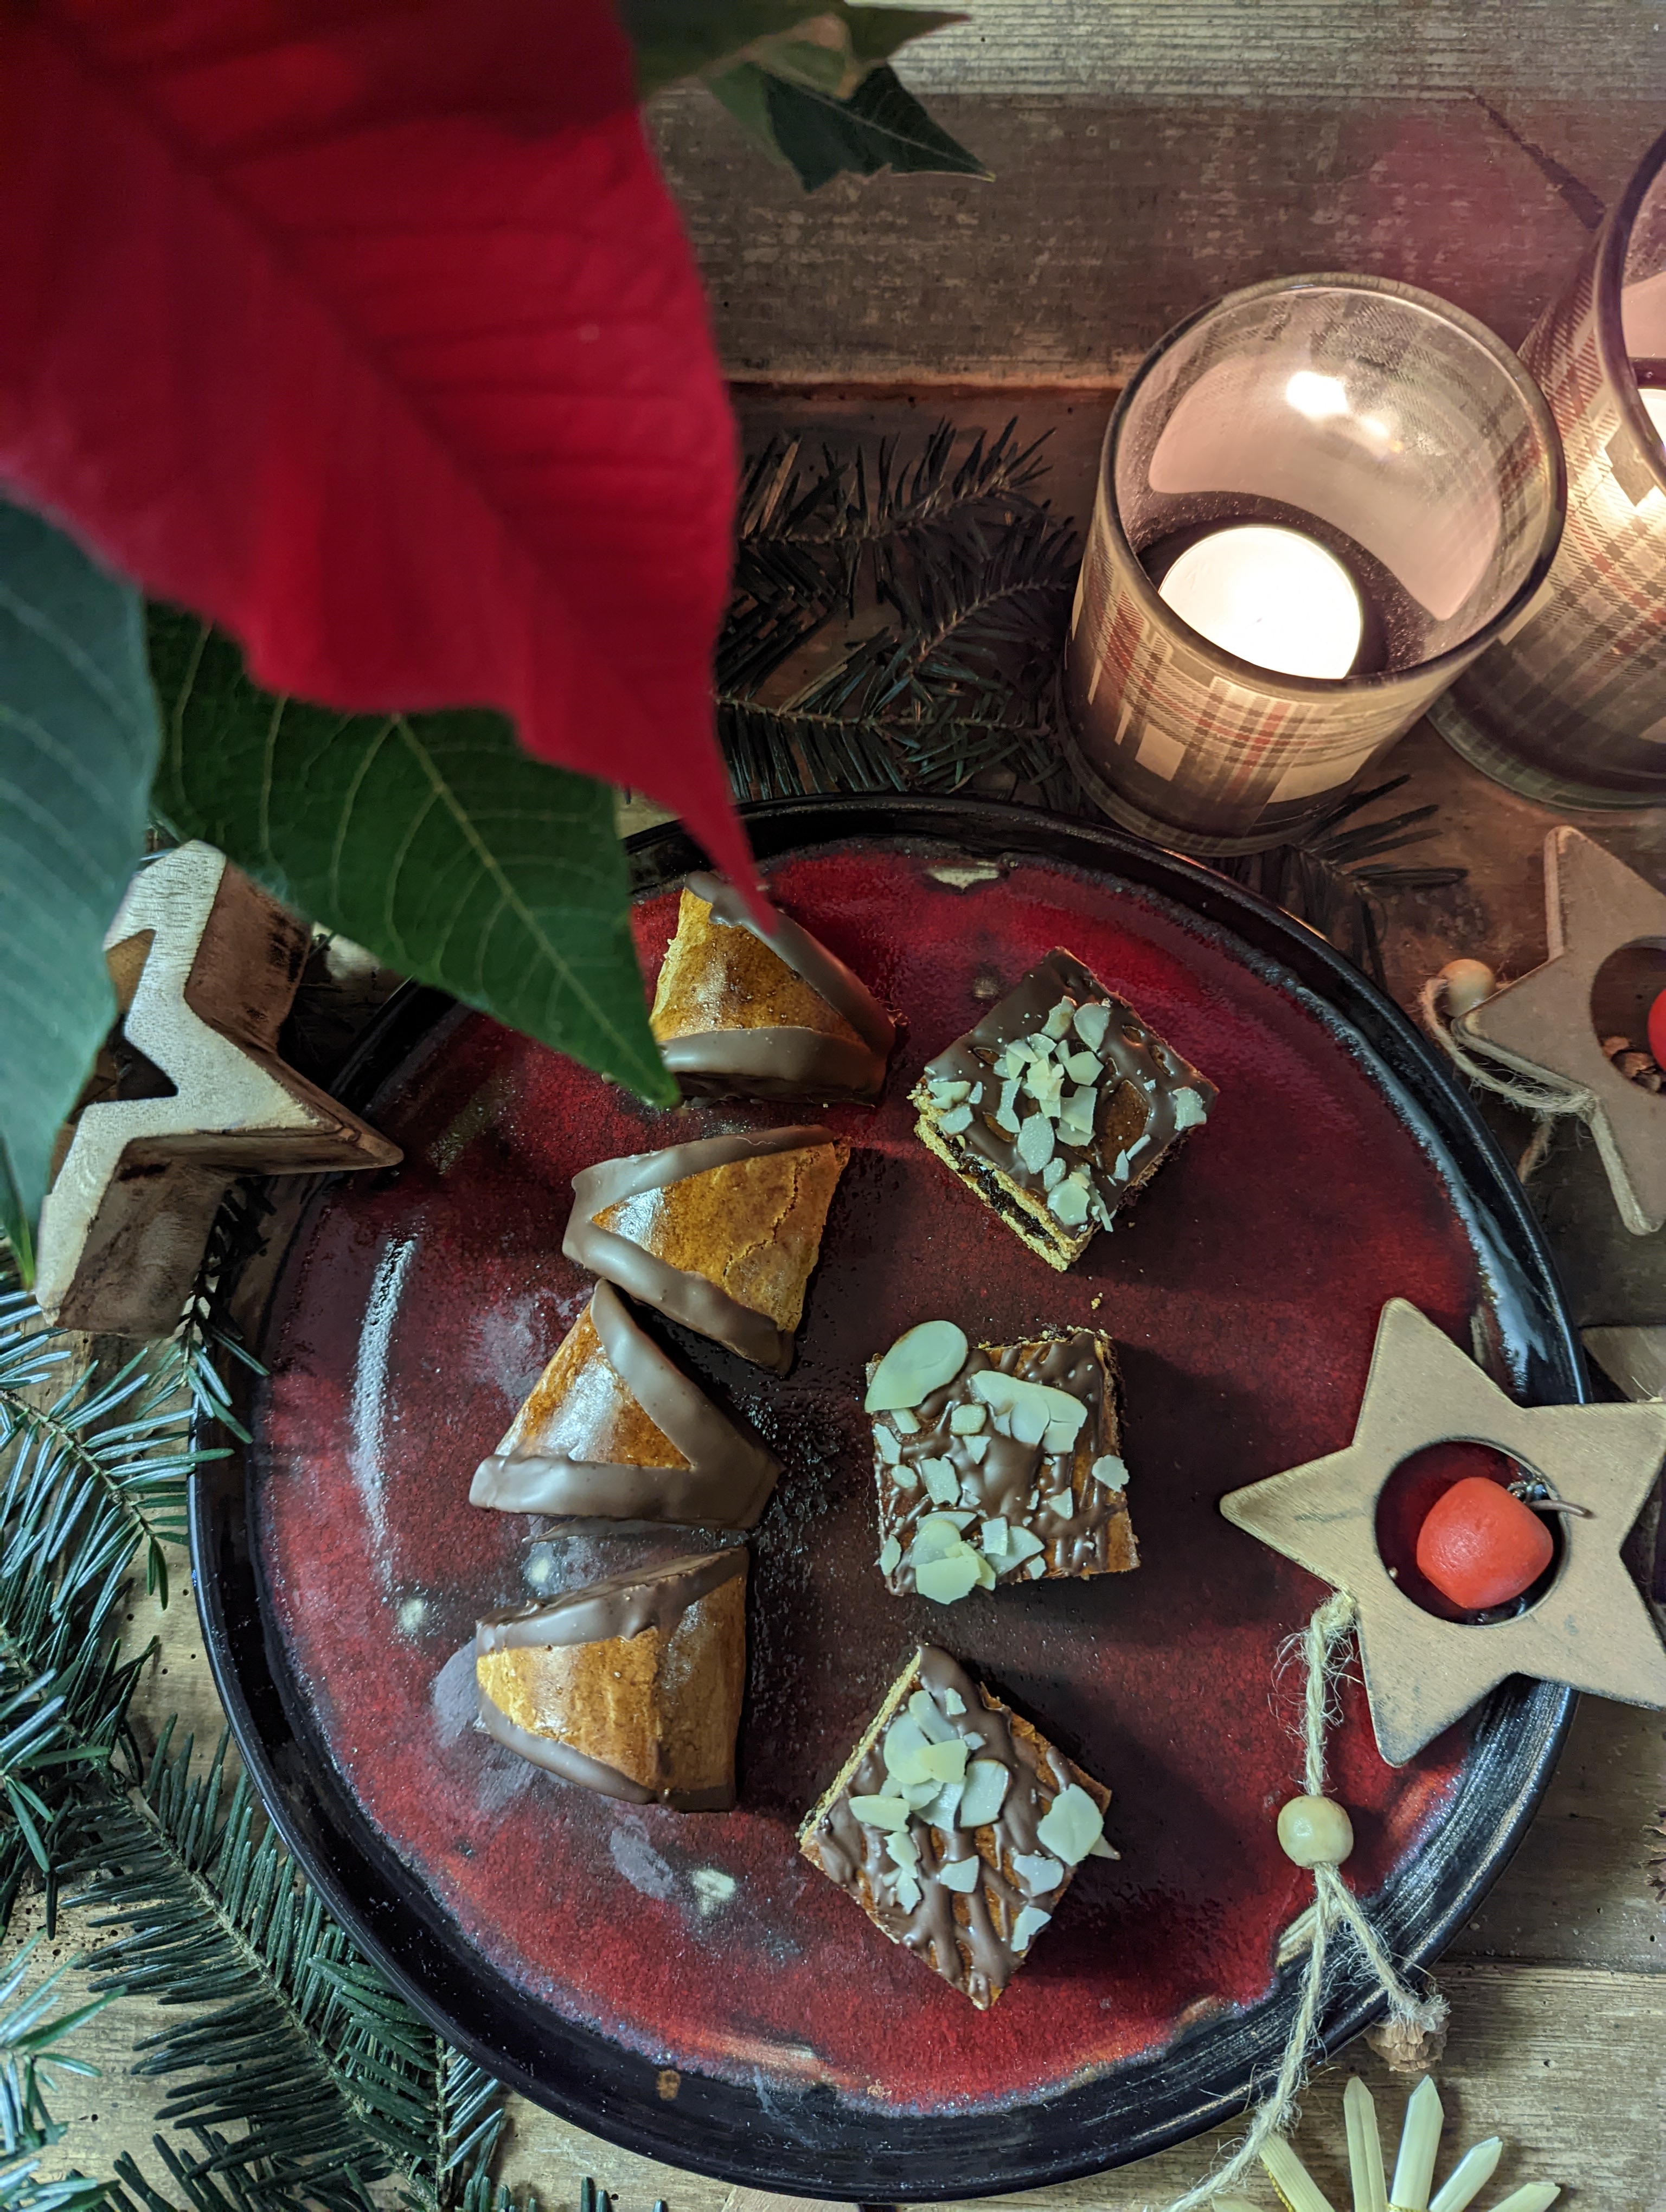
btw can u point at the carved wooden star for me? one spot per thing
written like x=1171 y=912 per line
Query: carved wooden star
x=205 y=967
x=1543 y=1024
x=1590 y=1630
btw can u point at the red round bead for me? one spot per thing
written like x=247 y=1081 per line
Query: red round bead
x=1657 y=1031
x=1480 y=1547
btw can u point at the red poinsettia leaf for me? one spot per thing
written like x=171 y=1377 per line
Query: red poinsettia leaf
x=367 y=328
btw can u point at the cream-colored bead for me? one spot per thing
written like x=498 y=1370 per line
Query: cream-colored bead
x=1468 y=983
x=1315 y=1832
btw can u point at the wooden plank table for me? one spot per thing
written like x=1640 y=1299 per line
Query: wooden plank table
x=1558 y=1986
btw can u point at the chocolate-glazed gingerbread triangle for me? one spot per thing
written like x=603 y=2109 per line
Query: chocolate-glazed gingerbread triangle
x=745 y=1011
x=615 y=1431
x=631 y=1686
x=720 y=1234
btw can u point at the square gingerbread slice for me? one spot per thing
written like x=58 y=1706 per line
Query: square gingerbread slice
x=956 y=1827
x=1058 y=1107
x=998 y=1463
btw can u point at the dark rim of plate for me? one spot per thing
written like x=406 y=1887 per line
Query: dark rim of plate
x=813 y=2142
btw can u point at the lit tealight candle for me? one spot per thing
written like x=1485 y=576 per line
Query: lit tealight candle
x=1271 y=595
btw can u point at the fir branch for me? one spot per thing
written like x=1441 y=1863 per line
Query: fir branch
x=31 y=2053
x=979 y=575
x=296 y=2043
x=105 y=1464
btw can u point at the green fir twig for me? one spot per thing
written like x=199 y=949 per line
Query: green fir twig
x=952 y=580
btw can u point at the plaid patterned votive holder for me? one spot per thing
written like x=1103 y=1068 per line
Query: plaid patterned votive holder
x=1571 y=707
x=1392 y=429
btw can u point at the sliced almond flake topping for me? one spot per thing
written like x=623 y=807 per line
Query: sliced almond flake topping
x=1083 y=1068
x=1028 y=1925
x=994 y=1536
x=1022 y=1544
x=942 y=1810
x=1036 y=1569
x=922 y=1360
x=1006 y=1112
x=890 y=1556
x=905 y=1746
x=943 y=1092
x=1055 y=1170
x=905 y=1887
x=1045 y=1084
x=1068 y=1204
x=906 y=1423
x=1120 y=1171
x=1058 y=1022
x=1189 y=1110
x=966 y=1421
x=905 y=1478
x=953 y=1703
x=1037 y=1871
x=961 y=1874
x=1091 y=1022
x=1035 y=1143
x=885 y=1443
x=923 y=1710
x=1110 y=1470
x=942 y=1481
x=975 y=1447
x=1138 y=1144
x=987 y=1783
x=1071 y=1825
x=956 y=1119
x=945 y=1582
x=881 y=1812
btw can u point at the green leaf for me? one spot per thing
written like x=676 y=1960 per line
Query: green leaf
x=674 y=40
x=78 y=742
x=431 y=839
x=881 y=125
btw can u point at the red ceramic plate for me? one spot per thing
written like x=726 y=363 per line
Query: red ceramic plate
x=687 y=1983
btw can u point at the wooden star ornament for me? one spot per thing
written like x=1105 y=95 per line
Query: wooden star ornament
x=1544 y=1026
x=1590 y=1630
x=206 y=968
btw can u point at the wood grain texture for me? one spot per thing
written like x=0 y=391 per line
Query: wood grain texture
x=1148 y=157
x=1558 y=1982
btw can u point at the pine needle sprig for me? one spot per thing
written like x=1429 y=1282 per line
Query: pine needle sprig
x=295 y=2043
x=1334 y=881
x=977 y=575
x=31 y=2053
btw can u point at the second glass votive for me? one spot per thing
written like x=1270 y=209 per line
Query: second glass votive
x=1319 y=499
x=1570 y=709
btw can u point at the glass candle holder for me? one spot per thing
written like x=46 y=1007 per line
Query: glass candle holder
x=1571 y=708
x=1337 y=474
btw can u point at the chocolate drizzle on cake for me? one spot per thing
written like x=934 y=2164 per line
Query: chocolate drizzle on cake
x=685 y=1294
x=842 y=1056
x=648 y=1667
x=1026 y=1501
x=1059 y=1106
x=622 y=1605
x=724 y=1479
x=969 y=1877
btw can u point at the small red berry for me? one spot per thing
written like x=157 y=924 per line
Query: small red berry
x=1657 y=1031
x=1480 y=1547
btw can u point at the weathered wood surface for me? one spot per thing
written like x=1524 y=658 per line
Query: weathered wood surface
x=1558 y=1984
x=1151 y=154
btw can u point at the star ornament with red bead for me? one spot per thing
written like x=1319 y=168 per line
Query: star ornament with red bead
x=1591 y=1629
